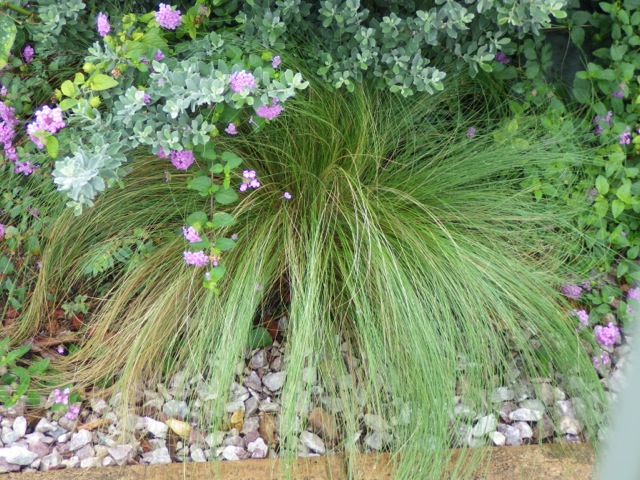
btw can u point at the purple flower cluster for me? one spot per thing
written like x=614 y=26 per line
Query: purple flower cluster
x=182 y=159
x=249 y=180
x=601 y=361
x=47 y=120
x=633 y=294
x=241 y=81
x=471 y=132
x=191 y=234
x=270 y=112
x=3 y=230
x=167 y=17
x=103 y=25
x=197 y=259
x=625 y=137
x=608 y=335
x=26 y=168
x=62 y=396
x=73 y=412
x=28 y=53
x=231 y=129
x=275 y=61
x=572 y=291
x=601 y=122
x=502 y=58
x=583 y=317
x=162 y=153
x=7 y=131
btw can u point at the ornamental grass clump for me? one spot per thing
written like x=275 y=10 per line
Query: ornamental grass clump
x=399 y=238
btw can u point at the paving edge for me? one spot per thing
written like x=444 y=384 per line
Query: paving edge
x=542 y=462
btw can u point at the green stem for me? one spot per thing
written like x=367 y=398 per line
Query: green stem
x=17 y=9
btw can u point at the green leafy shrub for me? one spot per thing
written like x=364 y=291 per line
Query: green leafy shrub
x=395 y=45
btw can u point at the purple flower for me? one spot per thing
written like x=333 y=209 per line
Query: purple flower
x=583 y=316
x=167 y=17
x=625 y=137
x=601 y=122
x=159 y=56
x=275 y=61
x=26 y=168
x=601 y=361
x=50 y=119
x=231 y=129
x=103 y=25
x=3 y=230
x=608 y=335
x=162 y=153
x=617 y=94
x=251 y=121
x=633 y=294
x=28 y=53
x=471 y=132
x=271 y=112
x=61 y=350
x=286 y=196
x=502 y=58
x=73 y=412
x=572 y=291
x=182 y=159
x=61 y=396
x=241 y=81
x=197 y=259
x=191 y=234
x=3 y=90
x=249 y=180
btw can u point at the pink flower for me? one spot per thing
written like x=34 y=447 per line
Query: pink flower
x=28 y=53
x=182 y=159
x=73 y=412
x=231 y=129
x=197 y=259
x=275 y=61
x=3 y=90
x=103 y=25
x=608 y=335
x=271 y=112
x=167 y=17
x=241 y=81
x=249 y=180
x=3 y=230
x=286 y=196
x=191 y=234
x=634 y=294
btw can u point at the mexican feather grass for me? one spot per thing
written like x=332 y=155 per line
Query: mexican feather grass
x=406 y=245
